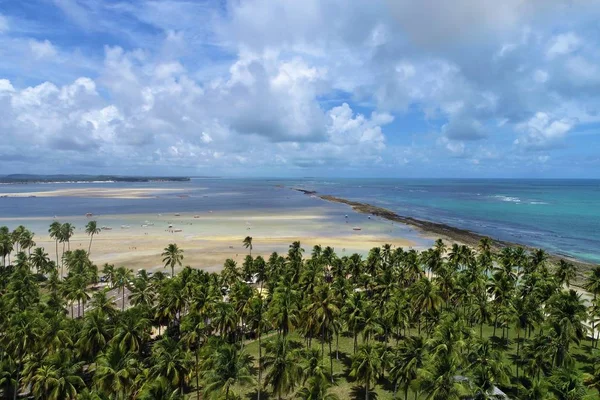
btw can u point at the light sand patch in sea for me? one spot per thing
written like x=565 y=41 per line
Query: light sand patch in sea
x=113 y=193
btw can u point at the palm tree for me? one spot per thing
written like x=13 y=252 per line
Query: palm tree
x=55 y=233
x=171 y=361
x=535 y=389
x=224 y=367
x=26 y=241
x=592 y=285
x=282 y=366
x=257 y=321
x=172 y=256
x=406 y=361
x=95 y=334
x=565 y=272
x=324 y=311
x=40 y=260
x=366 y=363
x=67 y=231
x=123 y=277
x=194 y=333
x=247 y=242
x=567 y=384
x=115 y=372
x=317 y=388
x=439 y=379
x=58 y=378
x=488 y=368
x=283 y=310
x=91 y=229
x=132 y=331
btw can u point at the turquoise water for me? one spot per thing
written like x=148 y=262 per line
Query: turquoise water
x=562 y=216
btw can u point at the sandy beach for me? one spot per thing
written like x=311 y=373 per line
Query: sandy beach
x=109 y=193
x=209 y=238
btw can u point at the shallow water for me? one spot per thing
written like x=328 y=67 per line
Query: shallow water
x=562 y=216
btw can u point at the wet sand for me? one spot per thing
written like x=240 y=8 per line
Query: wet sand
x=112 y=193
x=208 y=239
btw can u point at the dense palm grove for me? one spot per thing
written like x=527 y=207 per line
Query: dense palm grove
x=443 y=324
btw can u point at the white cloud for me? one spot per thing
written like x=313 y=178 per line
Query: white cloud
x=542 y=131
x=205 y=138
x=540 y=76
x=6 y=86
x=464 y=129
x=564 y=43
x=42 y=49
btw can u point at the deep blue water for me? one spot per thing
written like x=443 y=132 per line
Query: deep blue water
x=562 y=216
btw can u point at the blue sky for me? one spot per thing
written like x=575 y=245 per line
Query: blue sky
x=314 y=88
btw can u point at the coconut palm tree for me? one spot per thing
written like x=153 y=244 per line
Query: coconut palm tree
x=92 y=229
x=592 y=285
x=225 y=366
x=67 y=231
x=172 y=256
x=565 y=272
x=407 y=359
x=123 y=277
x=40 y=260
x=567 y=384
x=194 y=334
x=247 y=242
x=317 y=388
x=55 y=233
x=439 y=379
x=366 y=363
x=171 y=361
x=115 y=372
x=281 y=363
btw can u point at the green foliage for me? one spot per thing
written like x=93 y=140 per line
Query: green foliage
x=449 y=322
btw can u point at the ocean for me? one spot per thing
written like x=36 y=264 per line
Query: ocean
x=561 y=216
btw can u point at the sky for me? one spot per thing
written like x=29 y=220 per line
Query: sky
x=289 y=88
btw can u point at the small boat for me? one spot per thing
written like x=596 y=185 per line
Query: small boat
x=346 y=216
x=356 y=228
x=170 y=226
x=177 y=214
x=178 y=230
x=196 y=216
x=89 y=215
x=106 y=228
x=125 y=226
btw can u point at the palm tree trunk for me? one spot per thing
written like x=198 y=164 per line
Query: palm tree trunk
x=518 y=350
x=16 y=391
x=259 y=364
x=123 y=299
x=90 y=246
x=331 y=361
x=367 y=390
x=197 y=377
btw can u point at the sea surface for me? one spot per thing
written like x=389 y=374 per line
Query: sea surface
x=561 y=216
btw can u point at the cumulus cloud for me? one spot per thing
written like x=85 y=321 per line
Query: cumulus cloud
x=543 y=131
x=464 y=129
x=42 y=49
x=564 y=43
x=156 y=88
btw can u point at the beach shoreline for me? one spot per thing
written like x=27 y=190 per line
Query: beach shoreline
x=437 y=230
x=209 y=238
